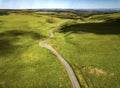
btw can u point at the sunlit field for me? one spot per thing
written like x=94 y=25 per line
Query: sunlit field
x=23 y=63
x=91 y=46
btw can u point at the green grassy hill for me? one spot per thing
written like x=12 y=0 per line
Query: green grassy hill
x=23 y=63
x=105 y=17
x=91 y=47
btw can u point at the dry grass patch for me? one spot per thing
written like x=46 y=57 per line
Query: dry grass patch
x=80 y=77
x=99 y=72
x=53 y=44
x=29 y=58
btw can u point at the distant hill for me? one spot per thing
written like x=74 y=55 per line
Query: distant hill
x=83 y=12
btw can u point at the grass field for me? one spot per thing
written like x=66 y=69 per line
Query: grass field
x=91 y=47
x=23 y=63
x=93 y=50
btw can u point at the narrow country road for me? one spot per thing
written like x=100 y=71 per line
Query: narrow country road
x=68 y=68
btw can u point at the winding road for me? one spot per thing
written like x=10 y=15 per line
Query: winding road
x=68 y=68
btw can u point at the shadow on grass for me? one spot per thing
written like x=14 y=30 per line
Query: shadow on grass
x=13 y=33
x=109 y=27
x=7 y=38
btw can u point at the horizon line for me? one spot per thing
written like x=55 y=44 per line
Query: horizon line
x=53 y=8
